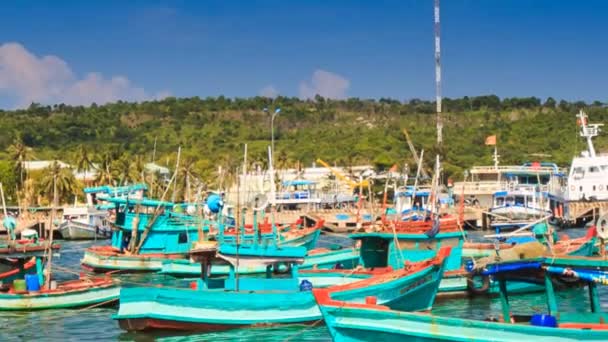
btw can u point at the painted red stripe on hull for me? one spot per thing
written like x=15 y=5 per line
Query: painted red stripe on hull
x=142 y=324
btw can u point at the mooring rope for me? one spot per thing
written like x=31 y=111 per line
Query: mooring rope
x=303 y=330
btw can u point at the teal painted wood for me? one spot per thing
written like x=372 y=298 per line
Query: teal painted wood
x=380 y=249
x=259 y=250
x=277 y=301
x=59 y=299
x=175 y=233
x=228 y=309
x=409 y=293
x=347 y=258
x=373 y=324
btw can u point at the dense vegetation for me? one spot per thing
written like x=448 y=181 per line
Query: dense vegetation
x=212 y=133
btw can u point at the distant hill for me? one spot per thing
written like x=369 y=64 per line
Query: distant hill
x=212 y=131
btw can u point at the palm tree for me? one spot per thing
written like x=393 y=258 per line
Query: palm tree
x=139 y=168
x=64 y=179
x=282 y=161
x=105 y=173
x=186 y=175
x=156 y=186
x=19 y=153
x=124 y=170
x=83 y=161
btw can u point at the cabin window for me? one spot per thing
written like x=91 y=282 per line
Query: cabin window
x=500 y=201
x=579 y=171
x=182 y=237
x=529 y=199
x=604 y=167
x=509 y=200
x=594 y=169
x=594 y=188
x=519 y=200
x=580 y=188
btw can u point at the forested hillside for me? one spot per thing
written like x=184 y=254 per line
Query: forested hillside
x=212 y=132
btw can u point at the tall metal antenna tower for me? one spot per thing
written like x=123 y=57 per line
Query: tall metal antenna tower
x=438 y=73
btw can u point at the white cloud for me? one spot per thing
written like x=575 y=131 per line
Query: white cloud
x=326 y=84
x=269 y=91
x=49 y=79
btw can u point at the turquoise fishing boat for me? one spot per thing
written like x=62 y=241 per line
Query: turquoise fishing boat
x=148 y=233
x=219 y=304
x=372 y=322
x=36 y=292
x=318 y=258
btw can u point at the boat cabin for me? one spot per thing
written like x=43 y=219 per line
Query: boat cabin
x=93 y=194
x=86 y=215
x=283 y=260
x=386 y=249
x=412 y=202
x=163 y=231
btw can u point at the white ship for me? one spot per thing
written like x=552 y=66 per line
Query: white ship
x=588 y=178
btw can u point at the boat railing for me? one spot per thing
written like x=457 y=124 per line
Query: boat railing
x=479 y=187
x=489 y=187
x=516 y=169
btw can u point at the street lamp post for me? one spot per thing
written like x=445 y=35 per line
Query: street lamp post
x=276 y=112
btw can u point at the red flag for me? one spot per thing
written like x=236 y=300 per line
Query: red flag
x=491 y=140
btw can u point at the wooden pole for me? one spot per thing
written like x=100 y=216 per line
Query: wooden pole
x=179 y=152
x=237 y=226
x=47 y=279
x=3 y=201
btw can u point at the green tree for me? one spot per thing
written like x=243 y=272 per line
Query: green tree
x=105 y=172
x=60 y=179
x=19 y=154
x=83 y=160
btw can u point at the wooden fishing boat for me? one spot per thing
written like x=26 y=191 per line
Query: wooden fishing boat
x=318 y=258
x=220 y=304
x=110 y=258
x=148 y=233
x=38 y=292
x=69 y=294
x=254 y=301
x=74 y=230
x=372 y=322
x=11 y=269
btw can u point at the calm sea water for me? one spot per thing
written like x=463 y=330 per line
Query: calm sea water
x=97 y=325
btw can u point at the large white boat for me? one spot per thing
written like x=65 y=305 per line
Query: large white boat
x=588 y=178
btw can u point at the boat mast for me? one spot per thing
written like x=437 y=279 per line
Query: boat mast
x=588 y=131
x=438 y=74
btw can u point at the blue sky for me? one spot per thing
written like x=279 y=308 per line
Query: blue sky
x=83 y=51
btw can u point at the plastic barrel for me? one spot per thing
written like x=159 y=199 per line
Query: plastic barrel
x=31 y=282
x=19 y=285
x=543 y=320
